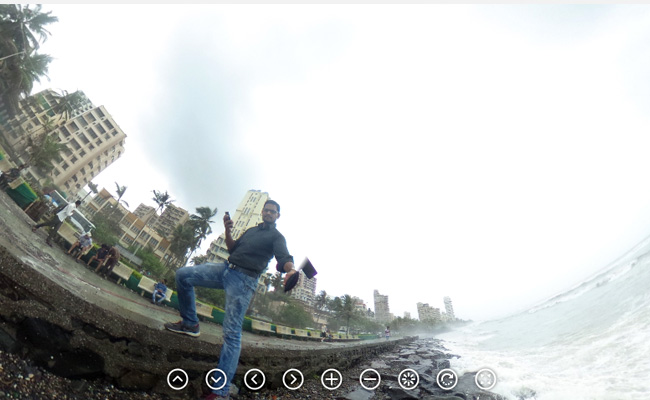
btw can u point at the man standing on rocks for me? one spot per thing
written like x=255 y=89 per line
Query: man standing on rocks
x=57 y=221
x=249 y=257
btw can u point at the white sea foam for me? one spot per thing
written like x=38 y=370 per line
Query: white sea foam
x=589 y=343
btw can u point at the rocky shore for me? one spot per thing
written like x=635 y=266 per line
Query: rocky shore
x=20 y=379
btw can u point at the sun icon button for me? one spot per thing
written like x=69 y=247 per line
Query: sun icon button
x=408 y=379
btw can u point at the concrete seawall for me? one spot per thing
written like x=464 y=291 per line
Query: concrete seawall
x=62 y=315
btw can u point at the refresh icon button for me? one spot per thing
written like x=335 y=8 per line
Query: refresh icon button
x=447 y=379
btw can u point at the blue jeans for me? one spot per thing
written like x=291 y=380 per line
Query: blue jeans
x=239 y=289
x=157 y=297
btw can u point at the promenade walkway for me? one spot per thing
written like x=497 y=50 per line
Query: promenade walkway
x=81 y=324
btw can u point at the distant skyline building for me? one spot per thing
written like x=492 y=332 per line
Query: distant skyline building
x=305 y=290
x=449 y=308
x=247 y=215
x=428 y=313
x=91 y=137
x=382 y=310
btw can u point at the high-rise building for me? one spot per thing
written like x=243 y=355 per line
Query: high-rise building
x=91 y=137
x=169 y=220
x=428 y=313
x=146 y=213
x=449 y=308
x=247 y=215
x=305 y=290
x=382 y=311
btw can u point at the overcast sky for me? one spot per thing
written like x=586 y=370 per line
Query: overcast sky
x=494 y=154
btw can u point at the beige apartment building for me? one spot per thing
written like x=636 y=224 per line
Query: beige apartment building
x=169 y=220
x=134 y=231
x=146 y=213
x=92 y=138
x=247 y=215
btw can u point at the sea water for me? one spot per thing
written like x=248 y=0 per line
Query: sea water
x=590 y=343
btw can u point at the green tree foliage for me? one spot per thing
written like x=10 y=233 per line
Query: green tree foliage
x=182 y=240
x=276 y=283
x=151 y=263
x=106 y=228
x=294 y=315
x=45 y=152
x=22 y=28
x=201 y=222
x=347 y=311
x=216 y=297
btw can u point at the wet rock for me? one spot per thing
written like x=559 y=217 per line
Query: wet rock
x=397 y=393
x=137 y=380
x=7 y=342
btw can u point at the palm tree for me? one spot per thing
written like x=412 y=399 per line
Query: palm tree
x=162 y=199
x=181 y=242
x=201 y=222
x=43 y=155
x=20 y=65
x=67 y=104
x=120 y=192
x=276 y=282
x=320 y=303
x=21 y=25
x=93 y=189
x=347 y=310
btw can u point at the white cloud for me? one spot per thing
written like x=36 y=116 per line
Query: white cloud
x=492 y=154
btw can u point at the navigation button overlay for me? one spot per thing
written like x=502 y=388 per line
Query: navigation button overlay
x=331 y=379
x=485 y=379
x=447 y=379
x=408 y=379
x=254 y=379
x=215 y=379
x=293 y=379
x=177 y=379
x=370 y=379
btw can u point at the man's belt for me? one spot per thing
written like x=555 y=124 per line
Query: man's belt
x=248 y=272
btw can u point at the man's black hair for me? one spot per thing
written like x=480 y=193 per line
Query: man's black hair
x=269 y=201
x=78 y=203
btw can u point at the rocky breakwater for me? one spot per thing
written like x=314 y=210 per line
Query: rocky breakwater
x=427 y=357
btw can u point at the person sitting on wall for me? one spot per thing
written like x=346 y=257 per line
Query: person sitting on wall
x=85 y=243
x=11 y=175
x=159 y=292
x=111 y=261
x=100 y=256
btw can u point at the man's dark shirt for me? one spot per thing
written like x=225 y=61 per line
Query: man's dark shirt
x=102 y=253
x=255 y=248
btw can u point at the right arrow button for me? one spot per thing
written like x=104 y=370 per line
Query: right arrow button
x=293 y=379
